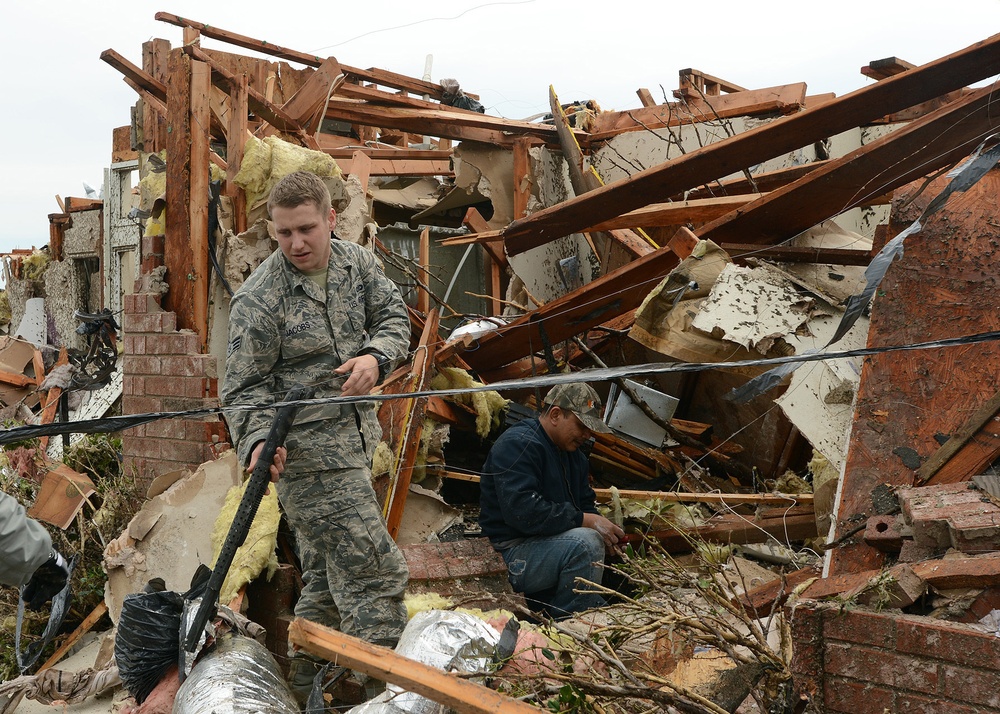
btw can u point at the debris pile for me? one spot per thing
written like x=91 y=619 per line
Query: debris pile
x=788 y=385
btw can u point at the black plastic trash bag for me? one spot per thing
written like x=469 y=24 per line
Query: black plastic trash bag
x=146 y=643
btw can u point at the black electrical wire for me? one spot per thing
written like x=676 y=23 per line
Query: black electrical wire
x=603 y=374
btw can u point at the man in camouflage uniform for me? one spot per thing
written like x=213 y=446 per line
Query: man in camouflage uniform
x=321 y=312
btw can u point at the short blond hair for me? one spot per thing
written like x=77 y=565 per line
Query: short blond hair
x=297 y=188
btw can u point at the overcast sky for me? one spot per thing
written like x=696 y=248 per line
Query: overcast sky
x=61 y=101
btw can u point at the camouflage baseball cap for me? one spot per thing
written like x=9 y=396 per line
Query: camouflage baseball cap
x=582 y=400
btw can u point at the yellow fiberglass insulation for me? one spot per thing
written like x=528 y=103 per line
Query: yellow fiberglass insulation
x=33 y=267
x=488 y=405
x=257 y=551
x=267 y=161
x=382 y=461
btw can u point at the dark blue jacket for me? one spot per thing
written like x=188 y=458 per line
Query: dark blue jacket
x=530 y=487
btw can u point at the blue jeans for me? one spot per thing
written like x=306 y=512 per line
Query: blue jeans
x=545 y=569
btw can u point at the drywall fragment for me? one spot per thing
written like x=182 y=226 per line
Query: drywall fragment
x=32 y=326
x=753 y=307
x=171 y=535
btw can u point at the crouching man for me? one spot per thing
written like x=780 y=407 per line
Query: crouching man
x=537 y=506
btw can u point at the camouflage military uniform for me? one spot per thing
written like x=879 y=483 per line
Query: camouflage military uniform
x=284 y=331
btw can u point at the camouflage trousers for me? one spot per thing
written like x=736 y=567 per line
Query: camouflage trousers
x=353 y=573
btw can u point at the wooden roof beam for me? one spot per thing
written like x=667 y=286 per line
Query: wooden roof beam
x=259 y=105
x=698 y=167
x=471 y=126
x=785 y=99
x=378 y=76
x=136 y=77
x=940 y=139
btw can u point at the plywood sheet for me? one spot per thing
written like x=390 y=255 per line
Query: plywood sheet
x=946 y=285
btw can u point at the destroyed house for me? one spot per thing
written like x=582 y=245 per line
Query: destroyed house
x=726 y=267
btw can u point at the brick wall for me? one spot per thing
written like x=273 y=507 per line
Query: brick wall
x=859 y=662
x=164 y=372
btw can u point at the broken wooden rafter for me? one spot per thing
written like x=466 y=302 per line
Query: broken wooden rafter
x=789 y=133
x=459 y=694
x=391 y=99
x=258 y=103
x=471 y=126
x=772 y=100
x=377 y=76
x=790 y=254
x=923 y=146
x=409 y=442
x=595 y=303
x=135 y=76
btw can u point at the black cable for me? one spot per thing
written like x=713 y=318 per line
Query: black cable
x=603 y=374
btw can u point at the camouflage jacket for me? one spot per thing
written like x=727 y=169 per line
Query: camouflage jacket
x=282 y=332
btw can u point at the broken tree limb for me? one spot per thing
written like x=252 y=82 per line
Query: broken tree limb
x=695 y=168
x=462 y=695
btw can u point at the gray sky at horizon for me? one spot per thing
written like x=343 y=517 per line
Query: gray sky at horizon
x=63 y=101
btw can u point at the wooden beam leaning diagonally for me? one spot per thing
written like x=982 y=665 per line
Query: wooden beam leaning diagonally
x=695 y=168
x=378 y=76
x=310 y=97
x=595 y=303
x=143 y=79
x=409 y=444
x=438 y=122
x=462 y=695
x=923 y=146
x=268 y=111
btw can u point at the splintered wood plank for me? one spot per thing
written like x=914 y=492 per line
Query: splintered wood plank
x=700 y=166
x=409 y=445
x=925 y=145
x=944 y=285
x=259 y=104
x=974 y=457
x=782 y=100
x=378 y=76
x=599 y=301
x=311 y=96
x=462 y=695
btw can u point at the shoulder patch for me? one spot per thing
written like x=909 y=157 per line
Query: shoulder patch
x=234 y=344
